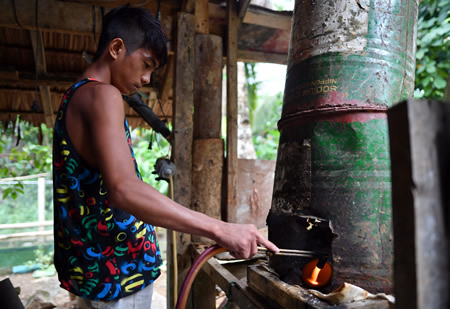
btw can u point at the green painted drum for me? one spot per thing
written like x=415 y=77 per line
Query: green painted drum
x=348 y=63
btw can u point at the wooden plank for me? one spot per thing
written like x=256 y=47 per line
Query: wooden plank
x=243 y=6
x=419 y=134
x=256 y=15
x=78 y=18
x=168 y=80
x=203 y=292
x=25 y=225
x=183 y=107
x=270 y=19
x=41 y=68
x=265 y=282
x=47 y=106
x=208 y=86
x=9 y=73
x=263 y=39
x=285 y=295
x=255 y=56
x=26 y=234
x=238 y=292
x=201 y=16
x=55 y=15
x=231 y=169
x=38 y=51
x=254 y=197
x=71 y=16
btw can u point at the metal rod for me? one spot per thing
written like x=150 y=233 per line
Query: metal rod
x=289 y=252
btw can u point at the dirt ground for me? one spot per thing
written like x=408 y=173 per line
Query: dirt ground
x=49 y=290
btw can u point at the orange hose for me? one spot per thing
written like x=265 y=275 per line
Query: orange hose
x=193 y=271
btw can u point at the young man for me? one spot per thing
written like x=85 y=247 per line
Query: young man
x=105 y=245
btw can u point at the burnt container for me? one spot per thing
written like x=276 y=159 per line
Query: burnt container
x=348 y=63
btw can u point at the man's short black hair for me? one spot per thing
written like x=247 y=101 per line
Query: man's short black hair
x=137 y=28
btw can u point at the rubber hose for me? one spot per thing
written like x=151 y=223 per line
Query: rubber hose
x=193 y=271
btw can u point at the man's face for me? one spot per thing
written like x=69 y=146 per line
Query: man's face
x=131 y=72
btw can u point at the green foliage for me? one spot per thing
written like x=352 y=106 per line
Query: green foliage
x=146 y=158
x=21 y=153
x=25 y=206
x=265 y=131
x=252 y=86
x=433 y=45
x=43 y=257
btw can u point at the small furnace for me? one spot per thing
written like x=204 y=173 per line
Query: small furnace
x=349 y=61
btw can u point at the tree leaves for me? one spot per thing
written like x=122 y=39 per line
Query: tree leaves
x=433 y=45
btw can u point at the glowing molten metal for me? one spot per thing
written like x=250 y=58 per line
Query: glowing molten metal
x=314 y=276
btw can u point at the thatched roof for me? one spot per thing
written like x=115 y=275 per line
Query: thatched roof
x=64 y=35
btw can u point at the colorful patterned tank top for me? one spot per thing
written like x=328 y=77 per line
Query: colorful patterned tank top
x=101 y=252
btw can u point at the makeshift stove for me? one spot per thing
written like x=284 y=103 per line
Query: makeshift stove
x=308 y=263
x=332 y=185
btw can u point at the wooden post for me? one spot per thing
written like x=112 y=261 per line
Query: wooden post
x=231 y=162
x=420 y=154
x=182 y=141
x=201 y=16
x=208 y=86
x=208 y=147
x=41 y=201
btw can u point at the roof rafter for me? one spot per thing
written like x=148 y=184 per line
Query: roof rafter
x=41 y=68
x=242 y=9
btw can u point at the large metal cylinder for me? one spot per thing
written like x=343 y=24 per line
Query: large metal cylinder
x=348 y=62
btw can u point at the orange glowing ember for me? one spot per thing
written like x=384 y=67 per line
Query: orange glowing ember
x=313 y=276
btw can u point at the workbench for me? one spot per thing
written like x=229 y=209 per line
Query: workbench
x=252 y=284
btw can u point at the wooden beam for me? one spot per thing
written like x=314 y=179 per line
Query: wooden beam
x=253 y=56
x=41 y=68
x=269 y=19
x=243 y=6
x=27 y=80
x=231 y=170
x=208 y=86
x=285 y=295
x=78 y=17
x=183 y=107
x=236 y=288
x=9 y=73
x=46 y=100
x=257 y=16
x=188 y=6
x=208 y=148
x=38 y=51
x=152 y=100
x=71 y=16
x=201 y=16
x=419 y=133
x=55 y=15
x=168 y=79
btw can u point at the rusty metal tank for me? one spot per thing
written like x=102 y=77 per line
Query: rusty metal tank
x=348 y=62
